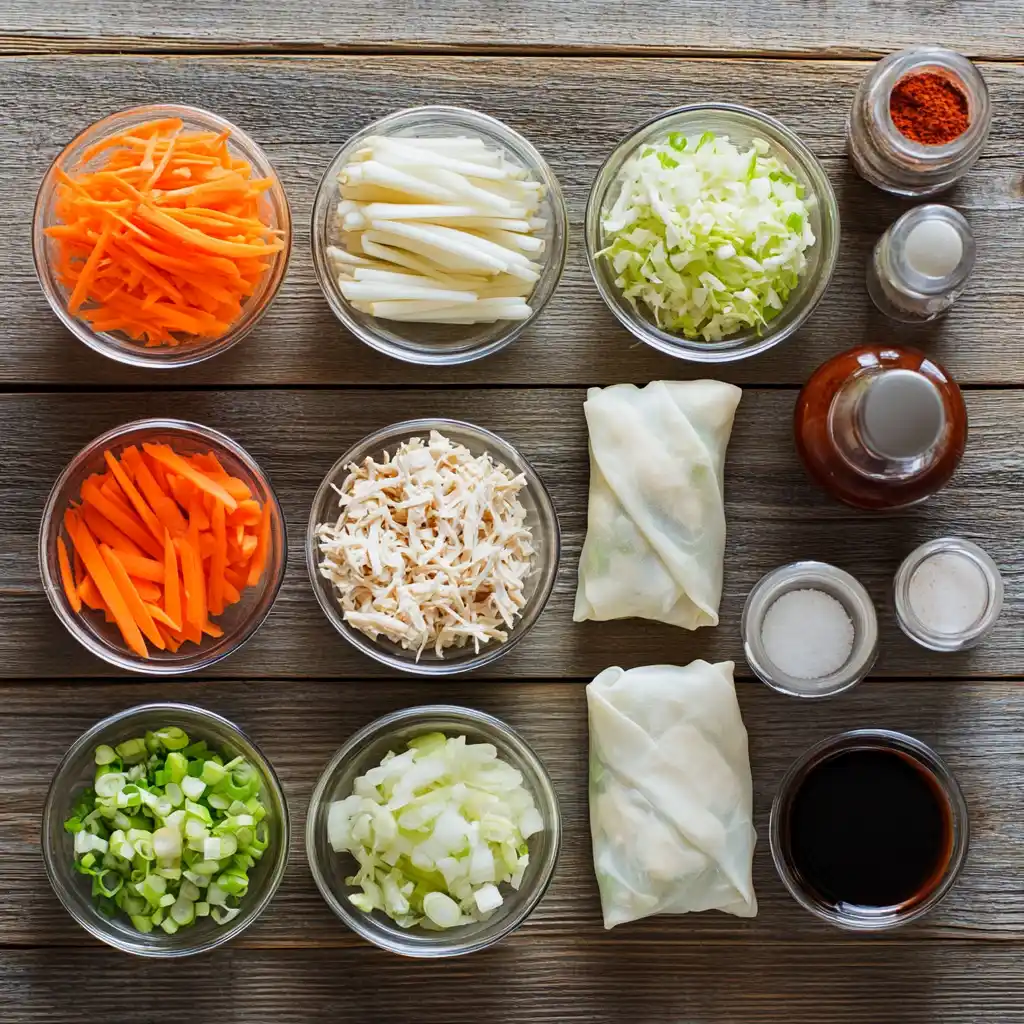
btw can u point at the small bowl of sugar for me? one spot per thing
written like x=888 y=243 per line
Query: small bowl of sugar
x=948 y=594
x=809 y=630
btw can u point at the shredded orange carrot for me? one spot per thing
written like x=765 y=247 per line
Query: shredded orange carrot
x=162 y=544
x=131 y=597
x=164 y=237
x=176 y=464
x=68 y=578
x=97 y=568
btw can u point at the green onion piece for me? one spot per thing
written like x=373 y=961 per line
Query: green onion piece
x=142 y=924
x=172 y=738
x=132 y=751
x=105 y=754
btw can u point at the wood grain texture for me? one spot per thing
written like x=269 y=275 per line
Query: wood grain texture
x=987 y=29
x=975 y=726
x=531 y=980
x=774 y=516
x=302 y=109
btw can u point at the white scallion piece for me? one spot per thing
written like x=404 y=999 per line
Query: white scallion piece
x=435 y=831
x=455 y=212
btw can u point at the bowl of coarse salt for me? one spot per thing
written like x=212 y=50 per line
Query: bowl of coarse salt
x=809 y=630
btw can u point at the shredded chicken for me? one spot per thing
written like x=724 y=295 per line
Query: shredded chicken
x=431 y=548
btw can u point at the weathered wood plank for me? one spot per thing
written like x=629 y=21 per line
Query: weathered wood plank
x=774 y=516
x=536 y=981
x=989 y=29
x=976 y=726
x=302 y=109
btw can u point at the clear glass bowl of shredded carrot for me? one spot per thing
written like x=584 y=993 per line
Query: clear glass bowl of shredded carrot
x=161 y=235
x=162 y=547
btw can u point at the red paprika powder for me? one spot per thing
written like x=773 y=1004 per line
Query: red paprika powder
x=928 y=108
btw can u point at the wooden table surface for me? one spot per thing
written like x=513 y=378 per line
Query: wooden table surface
x=574 y=76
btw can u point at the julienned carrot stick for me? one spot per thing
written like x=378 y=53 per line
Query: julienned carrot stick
x=218 y=561
x=67 y=577
x=145 y=513
x=92 y=495
x=176 y=464
x=103 y=529
x=131 y=597
x=159 y=500
x=172 y=585
x=109 y=591
x=259 y=558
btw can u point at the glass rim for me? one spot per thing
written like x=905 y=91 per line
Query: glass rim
x=551 y=270
x=376 y=649
x=734 y=348
x=380 y=727
x=263 y=764
x=53 y=587
x=155 y=358
x=867 y=919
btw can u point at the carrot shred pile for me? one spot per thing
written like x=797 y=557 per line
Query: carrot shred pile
x=161 y=543
x=163 y=238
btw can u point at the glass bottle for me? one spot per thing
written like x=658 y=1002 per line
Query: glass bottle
x=920 y=266
x=882 y=155
x=881 y=427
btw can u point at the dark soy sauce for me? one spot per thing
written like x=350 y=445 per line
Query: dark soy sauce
x=869 y=828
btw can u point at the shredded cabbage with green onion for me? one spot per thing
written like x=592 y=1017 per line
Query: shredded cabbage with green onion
x=711 y=238
x=169 y=831
x=435 y=830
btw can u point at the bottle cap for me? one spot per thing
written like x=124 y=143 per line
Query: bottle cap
x=902 y=414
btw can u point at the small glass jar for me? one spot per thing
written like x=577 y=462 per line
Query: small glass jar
x=835 y=583
x=921 y=264
x=860 y=918
x=972 y=590
x=882 y=155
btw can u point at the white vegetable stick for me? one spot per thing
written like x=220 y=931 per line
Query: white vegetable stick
x=354 y=220
x=339 y=255
x=411 y=160
x=463 y=189
x=374 y=173
x=414 y=262
x=436 y=212
x=368 y=291
x=524 y=243
x=372 y=274
x=462 y=144
x=450 y=240
x=404 y=307
x=444 y=261
x=371 y=194
x=485 y=310
x=504 y=286
x=536 y=223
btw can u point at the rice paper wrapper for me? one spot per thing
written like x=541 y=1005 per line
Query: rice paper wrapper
x=656 y=518
x=670 y=792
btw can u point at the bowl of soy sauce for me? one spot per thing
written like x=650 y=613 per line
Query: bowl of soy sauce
x=869 y=829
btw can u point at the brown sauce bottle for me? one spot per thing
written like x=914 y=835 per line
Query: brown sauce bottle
x=881 y=427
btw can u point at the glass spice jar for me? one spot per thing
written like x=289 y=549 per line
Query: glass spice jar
x=888 y=159
x=920 y=266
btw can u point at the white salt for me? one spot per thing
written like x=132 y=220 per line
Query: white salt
x=807 y=634
x=948 y=593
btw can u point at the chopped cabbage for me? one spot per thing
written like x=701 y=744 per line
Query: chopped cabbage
x=711 y=238
x=435 y=830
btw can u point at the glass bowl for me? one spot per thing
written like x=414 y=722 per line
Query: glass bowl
x=827 y=579
x=239 y=621
x=75 y=774
x=741 y=125
x=441 y=344
x=364 y=751
x=541 y=519
x=852 y=917
x=116 y=345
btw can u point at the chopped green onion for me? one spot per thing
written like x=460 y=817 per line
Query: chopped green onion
x=169 y=831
